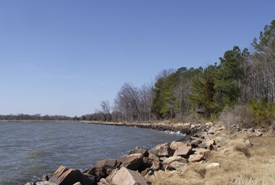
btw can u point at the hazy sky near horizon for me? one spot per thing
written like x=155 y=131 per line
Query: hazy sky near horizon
x=64 y=57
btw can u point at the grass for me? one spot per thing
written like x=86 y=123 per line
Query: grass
x=239 y=165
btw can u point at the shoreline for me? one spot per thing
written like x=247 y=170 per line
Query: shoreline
x=205 y=149
x=183 y=128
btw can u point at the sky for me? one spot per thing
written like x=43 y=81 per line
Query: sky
x=64 y=57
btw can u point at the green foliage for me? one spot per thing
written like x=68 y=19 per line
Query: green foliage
x=266 y=38
x=228 y=75
x=203 y=91
x=239 y=77
x=264 y=112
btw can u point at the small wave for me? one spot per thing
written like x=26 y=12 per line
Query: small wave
x=174 y=132
x=38 y=166
x=37 y=153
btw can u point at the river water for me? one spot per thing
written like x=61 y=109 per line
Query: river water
x=29 y=150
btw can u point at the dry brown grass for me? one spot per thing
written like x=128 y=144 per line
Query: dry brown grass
x=239 y=165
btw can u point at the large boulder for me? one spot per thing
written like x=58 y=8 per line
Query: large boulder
x=103 y=168
x=174 y=163
x=125 y=176
x=107 y=163
x=132 y=161
x=196 y=158
x=176 y=144
x=65 y=176
x=183 y=151
x=139 y=150
x=162 y=150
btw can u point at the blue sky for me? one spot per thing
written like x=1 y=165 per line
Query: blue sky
x=64 y=57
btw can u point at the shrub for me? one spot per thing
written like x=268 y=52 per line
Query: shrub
x=264 y=112
x=239 y=115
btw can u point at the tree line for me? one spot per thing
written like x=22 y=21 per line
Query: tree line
x=240 y=78
x=19 y=117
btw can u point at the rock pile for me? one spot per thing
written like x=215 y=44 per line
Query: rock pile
x=138 y=164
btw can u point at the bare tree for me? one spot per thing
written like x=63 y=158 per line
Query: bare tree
x=106 y=110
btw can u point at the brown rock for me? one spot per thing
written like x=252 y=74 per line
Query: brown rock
x=183 y=151
x=65 y=176
x=103 y=182
x=176 y=165
x=97 y=172
x=174 y=158
x=107 y=163
x=195 y=158
x=125 y=176
x=153 y=157
x=156 y=165
x=139 y=150
x=132 y=161
x=195 y=142
x=162 y=150
x=202 y=151
x=176 y=144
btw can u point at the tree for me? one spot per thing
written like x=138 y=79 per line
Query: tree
x=228 y=77
x=202 y=95
x=106 y=110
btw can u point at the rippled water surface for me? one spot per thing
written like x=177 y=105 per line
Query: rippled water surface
x=29 y=150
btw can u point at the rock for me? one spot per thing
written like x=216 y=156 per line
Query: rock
x=183 y=151
x=202 y=145
x=202 y=151
x=132 y=161
x=97 y=172
x=207 y=144
x=153 y=157
x=103 y=182
x=176 y=165
x=125 y=176
x=65 y=176
x=187 y=125
x=248 y=143
x=192 y=126
x=250 y=130
x=195 y=143
x=107 y=163
x=176 y=144
x=139 y=150
x=212 y=165
x=46 y=177
x=45 y=183
x=209 y=124
x=212 y=130
x=156 y=165
x=77 y=183
x=195 y=158
x=146 y=172
x=174 y=158
x=162 y=150
x=258 y=134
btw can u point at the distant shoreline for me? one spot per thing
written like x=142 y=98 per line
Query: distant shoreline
x=24 y=121
x=183 y=128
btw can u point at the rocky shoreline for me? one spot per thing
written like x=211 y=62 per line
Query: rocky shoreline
x=140 y=165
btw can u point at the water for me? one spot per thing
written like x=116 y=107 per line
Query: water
x=29 y=150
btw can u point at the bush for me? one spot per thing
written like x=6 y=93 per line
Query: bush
x=239 y=115
x=264 y=112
